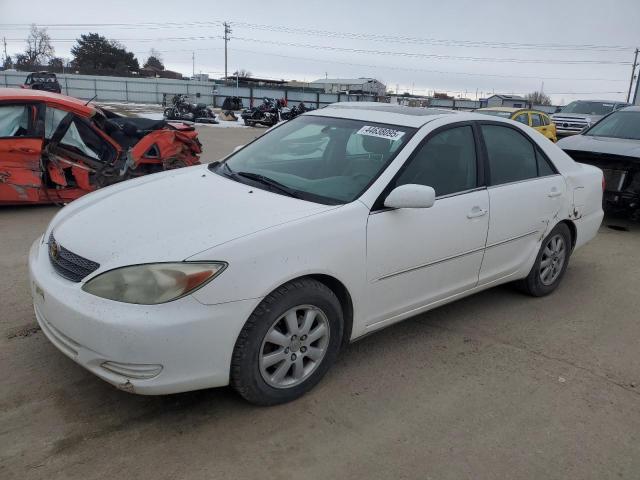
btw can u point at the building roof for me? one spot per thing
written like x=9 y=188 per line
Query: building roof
x=346 y=81
x=508 y=97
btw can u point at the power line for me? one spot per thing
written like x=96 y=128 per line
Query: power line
x=534 y=77
x=336 y=34
x=431 y=56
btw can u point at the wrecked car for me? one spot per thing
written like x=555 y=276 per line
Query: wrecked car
x=42 y=81
x=54 y=148
x=613 y=145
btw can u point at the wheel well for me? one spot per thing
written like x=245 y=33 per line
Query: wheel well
x=573 y=230
x=337 y=287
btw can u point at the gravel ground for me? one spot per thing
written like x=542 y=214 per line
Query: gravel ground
x=498 y=385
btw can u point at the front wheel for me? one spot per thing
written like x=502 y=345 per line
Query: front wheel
x=288 y=343
x=550 y=264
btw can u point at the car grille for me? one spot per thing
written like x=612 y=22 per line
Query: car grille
x=569 y=124
x=69 y=265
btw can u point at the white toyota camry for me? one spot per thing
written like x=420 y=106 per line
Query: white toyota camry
x=256 y=270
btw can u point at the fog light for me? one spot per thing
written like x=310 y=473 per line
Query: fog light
x=132 y=370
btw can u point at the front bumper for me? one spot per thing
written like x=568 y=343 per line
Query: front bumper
x=150 y=349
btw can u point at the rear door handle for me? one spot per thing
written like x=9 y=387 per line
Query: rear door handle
x=477 y=212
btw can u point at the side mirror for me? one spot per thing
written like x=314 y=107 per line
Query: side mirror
x=238 y=147
x=411 y=196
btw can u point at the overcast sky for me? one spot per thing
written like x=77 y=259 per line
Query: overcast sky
x=579 y=49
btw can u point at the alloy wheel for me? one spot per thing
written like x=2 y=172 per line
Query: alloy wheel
x=294 y=346
x=553 y=257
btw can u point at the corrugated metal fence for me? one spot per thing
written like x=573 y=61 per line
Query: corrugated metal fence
x=156 y=90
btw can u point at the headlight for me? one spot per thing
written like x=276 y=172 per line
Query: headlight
x=153 y=283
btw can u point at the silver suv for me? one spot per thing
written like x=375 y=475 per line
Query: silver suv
x=581 y=114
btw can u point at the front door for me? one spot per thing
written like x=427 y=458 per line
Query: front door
x=20 y=155
x=416 y=257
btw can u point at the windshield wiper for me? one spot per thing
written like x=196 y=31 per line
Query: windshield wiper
x=256 y=177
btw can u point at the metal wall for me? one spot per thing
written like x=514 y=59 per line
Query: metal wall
x=154 y=90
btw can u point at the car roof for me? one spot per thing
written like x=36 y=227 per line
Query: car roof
x=382 y=113
x=603 y=101
x=54 y=99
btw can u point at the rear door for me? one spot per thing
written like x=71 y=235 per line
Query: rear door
x=20 y=154
x=525 y=192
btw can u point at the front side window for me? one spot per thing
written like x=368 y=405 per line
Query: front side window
x=320 y=159
x=447 y=162
x=14 y=120
x=512 y=157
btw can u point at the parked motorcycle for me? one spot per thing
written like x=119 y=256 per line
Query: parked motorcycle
x=268 y=113
x=182 y=109
x=291 y=113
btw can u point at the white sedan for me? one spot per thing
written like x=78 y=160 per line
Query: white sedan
x=255 y=271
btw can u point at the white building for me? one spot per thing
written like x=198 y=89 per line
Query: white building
x=367 y=86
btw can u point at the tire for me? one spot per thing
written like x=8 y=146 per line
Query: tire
x=554 y=252
x=268 y=373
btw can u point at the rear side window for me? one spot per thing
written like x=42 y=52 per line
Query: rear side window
x=544 y=166
x=447 y=162
x=536 y=120
x=512 y=157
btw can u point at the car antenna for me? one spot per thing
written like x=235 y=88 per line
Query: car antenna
x=90 y=100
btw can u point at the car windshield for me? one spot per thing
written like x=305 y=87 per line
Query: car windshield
x=496 y=113
x=320 y=159
x=618 y=125
x=588 y=108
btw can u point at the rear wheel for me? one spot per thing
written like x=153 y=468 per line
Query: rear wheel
x=550 y=264
x=288 y=343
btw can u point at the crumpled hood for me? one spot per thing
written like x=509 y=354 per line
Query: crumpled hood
x=613 y=146
x=170 y=216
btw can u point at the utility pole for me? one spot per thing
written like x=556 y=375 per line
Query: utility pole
x=193 y=64
x=4 y=41
x=227 y=32
x=633 y=73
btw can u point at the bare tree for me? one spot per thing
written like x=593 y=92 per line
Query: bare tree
x=242 y=73
x=538 y=98
x=39 y=49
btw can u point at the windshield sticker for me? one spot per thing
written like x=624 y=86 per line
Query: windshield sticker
x=380 y=132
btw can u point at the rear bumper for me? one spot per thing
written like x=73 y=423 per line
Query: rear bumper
x=147 y=349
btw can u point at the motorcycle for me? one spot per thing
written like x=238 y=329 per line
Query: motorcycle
x=293 y=112
x=268 y=113
x=182 y=109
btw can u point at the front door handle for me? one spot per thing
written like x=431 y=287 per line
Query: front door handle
x=477 y=212
x=554 y=193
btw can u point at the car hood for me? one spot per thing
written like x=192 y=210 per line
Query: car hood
x=612 y=146
x=171 y=217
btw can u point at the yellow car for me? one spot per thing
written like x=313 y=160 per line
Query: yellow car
x=534 y=118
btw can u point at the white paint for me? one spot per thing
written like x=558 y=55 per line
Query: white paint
x=394 y=263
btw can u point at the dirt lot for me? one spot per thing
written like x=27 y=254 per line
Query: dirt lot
x=498 y=385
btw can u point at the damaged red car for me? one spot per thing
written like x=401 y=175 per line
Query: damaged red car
x=54 y=148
